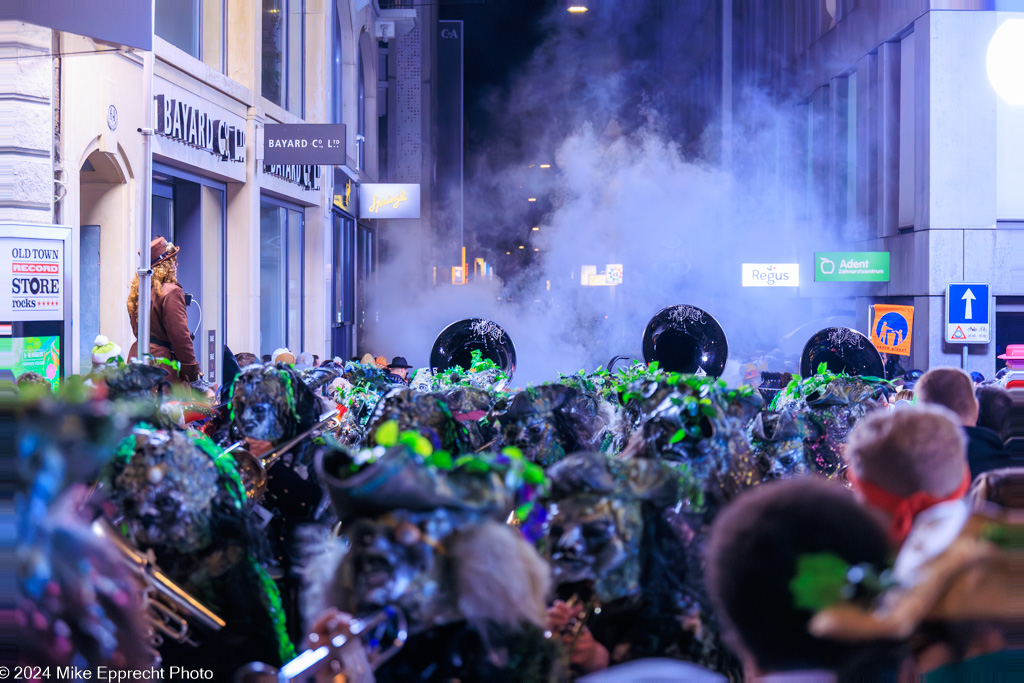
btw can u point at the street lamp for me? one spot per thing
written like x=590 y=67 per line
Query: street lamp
x=1005 y=61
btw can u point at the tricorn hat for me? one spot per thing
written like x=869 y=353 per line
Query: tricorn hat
x=160 y=250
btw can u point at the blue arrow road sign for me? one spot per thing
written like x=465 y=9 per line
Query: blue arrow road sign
x=967 y=312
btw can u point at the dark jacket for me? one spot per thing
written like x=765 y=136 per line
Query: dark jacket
x=168 y=332
x=985 y=450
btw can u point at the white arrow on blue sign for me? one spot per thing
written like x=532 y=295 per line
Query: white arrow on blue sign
x=967 y=313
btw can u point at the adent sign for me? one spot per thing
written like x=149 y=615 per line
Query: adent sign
x=851 y=266
x=771 y=274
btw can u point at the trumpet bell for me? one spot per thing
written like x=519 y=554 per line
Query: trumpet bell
x=843 y=350
x=456 y=343
x=252 y=473
x=686 y=339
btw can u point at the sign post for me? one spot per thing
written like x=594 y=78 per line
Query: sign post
x=968 y=319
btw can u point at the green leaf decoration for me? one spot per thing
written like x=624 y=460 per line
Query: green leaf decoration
x=173 y=364
x=387 y=434
x=653 y=366
x=512 y=452
x=678 y=436
x=819 y=581
x=533 y=473
x=417 y=443
x=442 y=460
x=523 y=511
x=822 y=368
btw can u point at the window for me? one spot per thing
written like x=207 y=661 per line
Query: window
x=283 y=70
x=195 y=26
x=336 y=68
x=360 y=111
x=281 y=266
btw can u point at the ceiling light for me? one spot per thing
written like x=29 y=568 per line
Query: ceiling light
x=1003 y=61
x=536 y=249
x=577 y=9
x=545 y=165
x=522 y=246
x=532 y=199
x=535 y=228
x=508 y=253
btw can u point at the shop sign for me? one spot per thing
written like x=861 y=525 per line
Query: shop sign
x=851 y=266
x=32 y=279
x=306 y=176
x=188 y=124
x=304 y=143
x=613 y=273
x=343 y=200
x=389 y=200
x=771 y=275
x=892 y=329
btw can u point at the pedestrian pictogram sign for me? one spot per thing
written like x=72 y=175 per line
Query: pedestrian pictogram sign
x=967 y=312
x=892 y=329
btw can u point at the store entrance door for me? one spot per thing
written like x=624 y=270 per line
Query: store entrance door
x=343 y=277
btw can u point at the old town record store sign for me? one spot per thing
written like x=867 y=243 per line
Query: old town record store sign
x=184 y=119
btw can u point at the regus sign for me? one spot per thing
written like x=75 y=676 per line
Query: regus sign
x=771 y=274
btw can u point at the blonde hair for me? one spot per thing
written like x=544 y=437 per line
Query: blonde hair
x=162 y=272
x=919 y=448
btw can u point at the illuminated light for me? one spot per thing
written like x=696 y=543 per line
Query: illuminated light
x=532 y=199
x=577 y=9
x=522 y=246
x=1005 y=61
x=536 y=228
x=530 y=166
x=536 y=249
x=508 y=253
x=545 y=165
x=548 y=284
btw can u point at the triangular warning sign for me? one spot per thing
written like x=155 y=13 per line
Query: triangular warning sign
x=959 y=334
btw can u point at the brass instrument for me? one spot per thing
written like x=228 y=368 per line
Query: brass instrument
x=375 y=639
x=576 y=624
x=686 y=339
x=455 y=344
x=169 y=607
x=253 y=470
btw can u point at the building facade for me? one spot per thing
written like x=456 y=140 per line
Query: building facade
x=908 y=149
x=270 y=254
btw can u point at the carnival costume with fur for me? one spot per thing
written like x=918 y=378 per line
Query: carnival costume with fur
x=428 y=538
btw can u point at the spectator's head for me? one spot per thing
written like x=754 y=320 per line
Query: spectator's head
x=104 y=351
x=752 y=561
x=904 y=461
x=994 y=405
x=316 y=361
x=246 y=359
x=265 y=358
x=952 y=389
x=304 y=361
x=30 y=378
x=282 y=355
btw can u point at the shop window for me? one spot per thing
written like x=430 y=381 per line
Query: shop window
x=195 y=26
x=281 y=267
x=283 y=71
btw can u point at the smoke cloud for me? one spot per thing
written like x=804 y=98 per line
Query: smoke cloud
x=627 y=112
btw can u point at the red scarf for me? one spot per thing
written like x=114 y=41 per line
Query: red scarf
x=904 y=509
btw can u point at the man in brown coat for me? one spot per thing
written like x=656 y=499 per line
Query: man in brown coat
x=169 y=335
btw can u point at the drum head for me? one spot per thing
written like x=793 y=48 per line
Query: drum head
x=686 y=339
x=844 y=351
x=456 y=343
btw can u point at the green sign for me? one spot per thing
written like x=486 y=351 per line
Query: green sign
x=851 y=266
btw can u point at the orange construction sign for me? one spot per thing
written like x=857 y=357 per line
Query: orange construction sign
x=892 y=329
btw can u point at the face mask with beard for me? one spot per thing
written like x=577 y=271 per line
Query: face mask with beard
x=393 y=560
x=271 y=403
x=166 y=492
x=593 y=545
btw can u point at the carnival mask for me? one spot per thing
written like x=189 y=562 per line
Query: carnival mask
x=594 y=542
x=166 y=492
x=392 y=560
x=271 y=403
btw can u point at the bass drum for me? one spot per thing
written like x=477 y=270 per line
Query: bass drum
x=456 y=343
x=686 y=339
x=843 y=350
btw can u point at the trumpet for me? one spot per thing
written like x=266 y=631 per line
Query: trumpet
x=374 y=640
x=252 y=470
x=170 y=609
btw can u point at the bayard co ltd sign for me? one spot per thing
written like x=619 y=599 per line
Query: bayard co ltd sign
x=190 y=125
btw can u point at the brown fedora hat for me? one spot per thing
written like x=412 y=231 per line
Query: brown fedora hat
x=160 y=250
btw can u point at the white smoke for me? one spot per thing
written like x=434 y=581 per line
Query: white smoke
x=625 y=188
